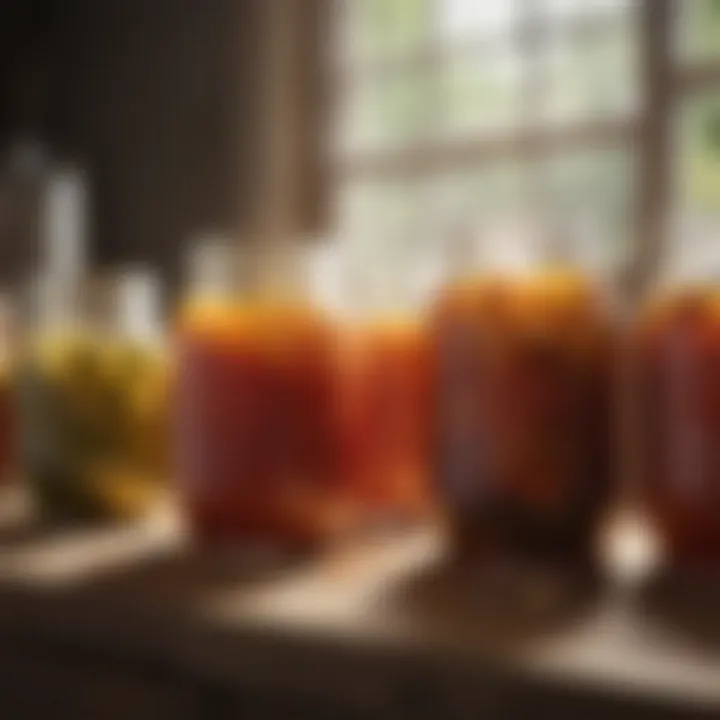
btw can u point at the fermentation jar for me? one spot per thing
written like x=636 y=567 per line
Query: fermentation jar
x=93 y=382
x=677 y=387
x=254 y=433
x=384 y=398
x=382 y=385
x=523 y=365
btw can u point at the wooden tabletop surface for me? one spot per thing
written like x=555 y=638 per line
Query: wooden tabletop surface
x=347 y=620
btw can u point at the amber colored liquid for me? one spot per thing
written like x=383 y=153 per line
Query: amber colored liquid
x=522 y=441
x=678 y=382
x=384 y=420
x=254 y=424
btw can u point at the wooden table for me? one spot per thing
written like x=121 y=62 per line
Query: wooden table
x=121 y=622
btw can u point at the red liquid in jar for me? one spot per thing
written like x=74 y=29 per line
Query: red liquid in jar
x=678 y=381
x=522 y=382
x=255 y=421
x=384 y=396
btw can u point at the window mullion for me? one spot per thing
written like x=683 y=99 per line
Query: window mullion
x=654 y=146
x=530 y=36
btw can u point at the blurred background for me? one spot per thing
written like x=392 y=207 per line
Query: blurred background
x=386 y=126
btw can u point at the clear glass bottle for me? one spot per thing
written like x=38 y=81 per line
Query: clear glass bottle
x=93 y=389
x=254 y=401
x=676 y=383
x=523 y=360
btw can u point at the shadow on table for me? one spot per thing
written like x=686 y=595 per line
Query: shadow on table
x=175 y=577
x=499 y=605
x=21 y=524
x=27 y=531
x=683 y=604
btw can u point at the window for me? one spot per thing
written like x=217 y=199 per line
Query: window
x=452 y=113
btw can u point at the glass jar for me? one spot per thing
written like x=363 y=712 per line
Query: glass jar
x=93 y=387
x=254 y=402
x=8 y=404
x=382 y=375
x=677 y=413
x=522 y=379
x=384 y=416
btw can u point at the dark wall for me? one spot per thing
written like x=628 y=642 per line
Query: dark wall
x=162 y=102
x=25 y=88
x=25 y=50
x=156 y=99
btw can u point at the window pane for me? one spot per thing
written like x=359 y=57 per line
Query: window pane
x=384 y=228
x=585 y=179
x=565 y=9
x=694 y=246
x=399 y=237
x=466 y=196
x=699 y=29
x=468 y=206
x=592 y=190
x=481 y=91
x=384 y=29
x=388 y=111
x=590 y=72
x=698 y=163
x=464 y=18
